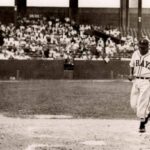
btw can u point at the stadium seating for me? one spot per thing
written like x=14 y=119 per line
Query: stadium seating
x=54 y=39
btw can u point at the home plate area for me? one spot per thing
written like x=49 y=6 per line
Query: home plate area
x=62 y=147
x=45 y=147
x=86 y=134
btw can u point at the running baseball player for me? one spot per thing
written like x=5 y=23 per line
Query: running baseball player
x=140 y=74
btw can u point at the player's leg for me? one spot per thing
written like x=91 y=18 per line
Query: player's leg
x=134 y=96
x=143 y=104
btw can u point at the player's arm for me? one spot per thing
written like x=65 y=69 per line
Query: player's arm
x=131 y=71
x=130 y=77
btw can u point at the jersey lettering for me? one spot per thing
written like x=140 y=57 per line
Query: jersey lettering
x=144 y=64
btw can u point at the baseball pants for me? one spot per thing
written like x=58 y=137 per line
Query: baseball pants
x=140 y=97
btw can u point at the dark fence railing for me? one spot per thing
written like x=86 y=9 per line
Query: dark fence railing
x=31 y=69
x=101 y=69
x=54 y=69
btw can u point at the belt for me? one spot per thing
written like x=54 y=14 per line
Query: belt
x=145 y=78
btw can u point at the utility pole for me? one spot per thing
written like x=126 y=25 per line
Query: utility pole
x=73 y=10
x=124 y=16
x=139 y=19
x=15 y=13
x=127 y=15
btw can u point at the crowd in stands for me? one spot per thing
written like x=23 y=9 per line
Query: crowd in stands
x=52 y=38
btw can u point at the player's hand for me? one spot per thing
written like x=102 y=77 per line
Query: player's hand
x=130 y=77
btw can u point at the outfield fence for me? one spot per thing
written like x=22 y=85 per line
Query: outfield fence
x=100 y=69
x=54 y=69
x=31 y=69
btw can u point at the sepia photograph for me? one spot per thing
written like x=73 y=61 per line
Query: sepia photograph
x=74 y=74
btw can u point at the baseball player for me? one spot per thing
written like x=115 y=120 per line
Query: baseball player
x=140 y=74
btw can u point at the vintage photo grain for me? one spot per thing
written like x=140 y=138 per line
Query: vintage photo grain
x=74 y=74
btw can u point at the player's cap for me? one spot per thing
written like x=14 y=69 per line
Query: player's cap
x=143 y=43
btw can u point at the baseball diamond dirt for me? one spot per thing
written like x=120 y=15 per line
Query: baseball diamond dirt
x=72 y=115
x=50 y=133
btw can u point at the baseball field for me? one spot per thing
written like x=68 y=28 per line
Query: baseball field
x=69 y=115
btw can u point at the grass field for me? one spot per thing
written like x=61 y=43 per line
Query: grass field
x=78 y=98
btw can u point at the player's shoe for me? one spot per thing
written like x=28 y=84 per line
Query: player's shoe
x=142 y=127
x=143 y=123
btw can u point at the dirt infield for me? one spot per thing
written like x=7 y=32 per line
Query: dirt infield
x=45 y=133
x=112 y=124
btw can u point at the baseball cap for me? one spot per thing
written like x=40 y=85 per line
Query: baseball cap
x=143 y=43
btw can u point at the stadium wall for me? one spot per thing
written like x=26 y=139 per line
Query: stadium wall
x=54 y=69
x=100 y=69
x=6 y=14
x=49 y=11
x=133 y=17
x=101 y=16
x=31 y=69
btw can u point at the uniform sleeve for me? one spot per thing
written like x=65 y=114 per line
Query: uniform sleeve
x=132 y=61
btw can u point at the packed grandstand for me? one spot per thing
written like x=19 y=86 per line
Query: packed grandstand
x=52 y=38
